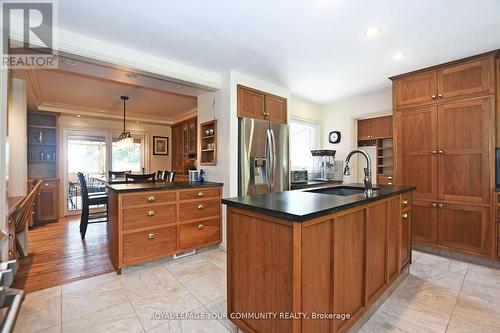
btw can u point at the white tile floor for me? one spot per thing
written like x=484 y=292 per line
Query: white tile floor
x=439 y=295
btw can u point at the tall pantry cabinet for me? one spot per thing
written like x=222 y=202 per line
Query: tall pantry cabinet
x=444 y=137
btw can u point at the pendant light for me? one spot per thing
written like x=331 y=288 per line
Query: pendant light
x=125 y=140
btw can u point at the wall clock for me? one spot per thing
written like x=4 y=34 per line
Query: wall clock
x=334 y=137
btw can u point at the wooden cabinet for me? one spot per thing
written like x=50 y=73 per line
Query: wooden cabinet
x=256 y=104
x=468 y=78
x=445 y=147
x=424 y=222
x=375 y=128
x=333 y=264
x=153 y=224
x=464 y=227
x=456 y=80
x=415 y=89
x=498 y=103
x=47 y=203
x=184 y=145
x=416 y=150
x=463 y=150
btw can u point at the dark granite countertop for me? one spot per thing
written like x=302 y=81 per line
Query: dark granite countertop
x=302 y=205
x=135 y=187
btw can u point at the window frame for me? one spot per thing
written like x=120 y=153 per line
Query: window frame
x=315 y=141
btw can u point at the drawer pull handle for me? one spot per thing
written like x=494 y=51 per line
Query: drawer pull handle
x=389 y=183
x=151 y=199
x=405 y=215
x=201 y=226
x=151 y=213
x=151 y=236
x=200 y=207
x=200 y=194
x=390 y=177
x=405 y=202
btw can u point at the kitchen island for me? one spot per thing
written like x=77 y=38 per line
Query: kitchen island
x=147 y=221
x=315 y=260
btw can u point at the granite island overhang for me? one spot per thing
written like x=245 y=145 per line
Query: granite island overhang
x=315 y=262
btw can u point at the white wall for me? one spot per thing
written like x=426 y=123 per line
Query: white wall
x=341 y=116
x=18 y=141
x=300 y=108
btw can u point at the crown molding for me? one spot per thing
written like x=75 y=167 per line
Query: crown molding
x=185 y=116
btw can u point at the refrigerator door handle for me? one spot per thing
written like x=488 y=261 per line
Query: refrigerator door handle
x=273 y=158
x=268 y=149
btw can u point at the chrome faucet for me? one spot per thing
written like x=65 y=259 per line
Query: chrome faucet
x=368 y=170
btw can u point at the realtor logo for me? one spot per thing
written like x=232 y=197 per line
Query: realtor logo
x=28 y=34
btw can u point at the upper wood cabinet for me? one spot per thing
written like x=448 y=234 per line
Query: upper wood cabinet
x=257 y=104
x=498 y=104
x=453 y=81
x=184 y=144
x=375 y=128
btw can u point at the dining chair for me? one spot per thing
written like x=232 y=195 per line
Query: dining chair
x=21 y=215
x=168 y=176
x=137 y=178
x=91 y=200
x=159 y=174
x=117 y=174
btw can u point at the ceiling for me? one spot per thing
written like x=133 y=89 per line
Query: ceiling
x=315 y=48
x=86 y=88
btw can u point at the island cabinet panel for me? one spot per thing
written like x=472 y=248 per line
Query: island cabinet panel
x=150 y=224
x=260 y=270
x=338 y=264
x=404 y=218
x=349 y=266
x=317 y=275
x=376 y=238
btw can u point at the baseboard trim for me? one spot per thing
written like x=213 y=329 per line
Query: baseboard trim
x=456 y=255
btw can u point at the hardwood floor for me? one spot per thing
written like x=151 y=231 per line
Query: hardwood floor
x=58 y=255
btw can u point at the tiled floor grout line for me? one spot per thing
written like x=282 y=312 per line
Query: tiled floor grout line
x=130 y=302
x=456 y=301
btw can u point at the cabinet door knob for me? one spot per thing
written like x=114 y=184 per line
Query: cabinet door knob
x=46 y=184
x=200 y=194
x=200 y=207
x=440 y=95
x=434 y=152
x=151 y=213
x=440 y=205
x=151 y=236
x=433 y=96
x=201 y=226
x=405 y=215
x=404 y=202
x=434 y=205
x=441 y=152
x=151 y=199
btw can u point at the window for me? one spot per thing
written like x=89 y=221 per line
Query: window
x=304 y=137
x=124 y=159
x=86 y=153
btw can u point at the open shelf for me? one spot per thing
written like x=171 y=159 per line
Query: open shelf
x=208 y=143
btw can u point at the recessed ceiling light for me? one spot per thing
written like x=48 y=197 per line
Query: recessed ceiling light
x=372 y=32
x=398 y=55
x=131 y=75
x=69 y=62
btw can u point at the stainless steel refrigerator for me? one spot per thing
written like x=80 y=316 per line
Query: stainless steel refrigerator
x=263 y=157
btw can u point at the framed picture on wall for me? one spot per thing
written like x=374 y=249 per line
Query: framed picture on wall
x=160 y=145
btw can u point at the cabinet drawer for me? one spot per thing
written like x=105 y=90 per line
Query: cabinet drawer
x=148 y=198
x=148 y=216
x=192 y=235
x=149 y=244
x=384 y=180
x=199 y=193
x=199 y=209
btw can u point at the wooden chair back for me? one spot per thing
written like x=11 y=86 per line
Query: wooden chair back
x=168 y=176
x=136 y=178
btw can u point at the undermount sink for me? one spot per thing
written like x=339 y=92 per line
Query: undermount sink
x=340 y=190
